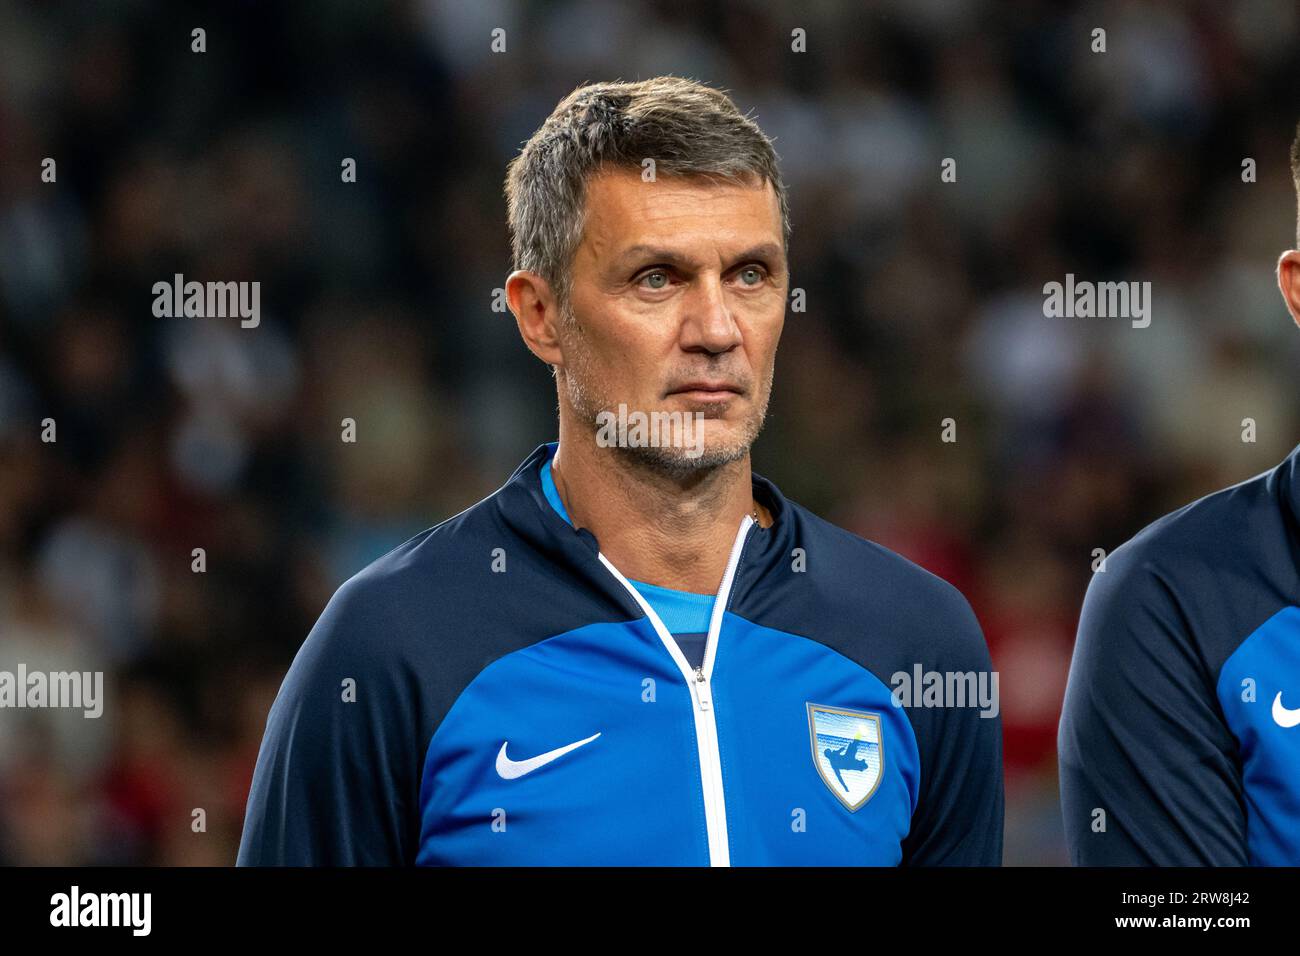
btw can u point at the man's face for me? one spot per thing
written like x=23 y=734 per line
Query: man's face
x=678 y=292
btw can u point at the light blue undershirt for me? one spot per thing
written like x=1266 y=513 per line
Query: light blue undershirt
x=683 y=612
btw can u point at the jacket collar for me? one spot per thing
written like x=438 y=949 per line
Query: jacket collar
x=525 y=509
x=1285 y=482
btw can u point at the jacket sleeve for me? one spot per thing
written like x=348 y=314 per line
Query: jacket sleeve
x=1147 y=768
x=958 y=820
x=337 y=777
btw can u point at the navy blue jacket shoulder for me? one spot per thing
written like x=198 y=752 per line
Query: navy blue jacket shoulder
x=1176 y=742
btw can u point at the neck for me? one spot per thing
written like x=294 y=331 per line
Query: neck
x=673 y=532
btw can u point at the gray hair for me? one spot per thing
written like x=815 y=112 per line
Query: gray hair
x=688 y=129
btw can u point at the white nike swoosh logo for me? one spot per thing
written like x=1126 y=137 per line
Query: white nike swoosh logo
x=1284 y=716
x=510 y=769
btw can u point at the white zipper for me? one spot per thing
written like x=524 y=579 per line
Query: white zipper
x=698 y=680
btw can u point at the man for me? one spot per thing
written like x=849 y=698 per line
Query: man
x=635 y=651
x=1180 y=737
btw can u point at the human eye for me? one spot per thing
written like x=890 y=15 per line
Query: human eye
x=654 y=280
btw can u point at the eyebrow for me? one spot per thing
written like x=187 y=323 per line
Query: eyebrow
x=766 y=251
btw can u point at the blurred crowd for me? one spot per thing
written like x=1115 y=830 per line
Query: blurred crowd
x=925 y=303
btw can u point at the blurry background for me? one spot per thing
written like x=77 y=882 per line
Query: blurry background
x=924 y=302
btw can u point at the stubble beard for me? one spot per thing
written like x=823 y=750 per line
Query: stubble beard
x=588 y=400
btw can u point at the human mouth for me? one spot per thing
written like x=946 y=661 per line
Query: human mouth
x=707 y=391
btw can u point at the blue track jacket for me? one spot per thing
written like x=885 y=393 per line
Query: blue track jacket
x=494 y=692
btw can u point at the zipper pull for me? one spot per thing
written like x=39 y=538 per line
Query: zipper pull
x=702 y=690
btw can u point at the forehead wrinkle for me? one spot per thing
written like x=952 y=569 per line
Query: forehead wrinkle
x=621 y=197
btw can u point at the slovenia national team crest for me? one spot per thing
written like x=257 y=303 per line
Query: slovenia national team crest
x=847 y=751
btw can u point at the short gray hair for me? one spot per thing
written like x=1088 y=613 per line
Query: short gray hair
x=687 y=128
